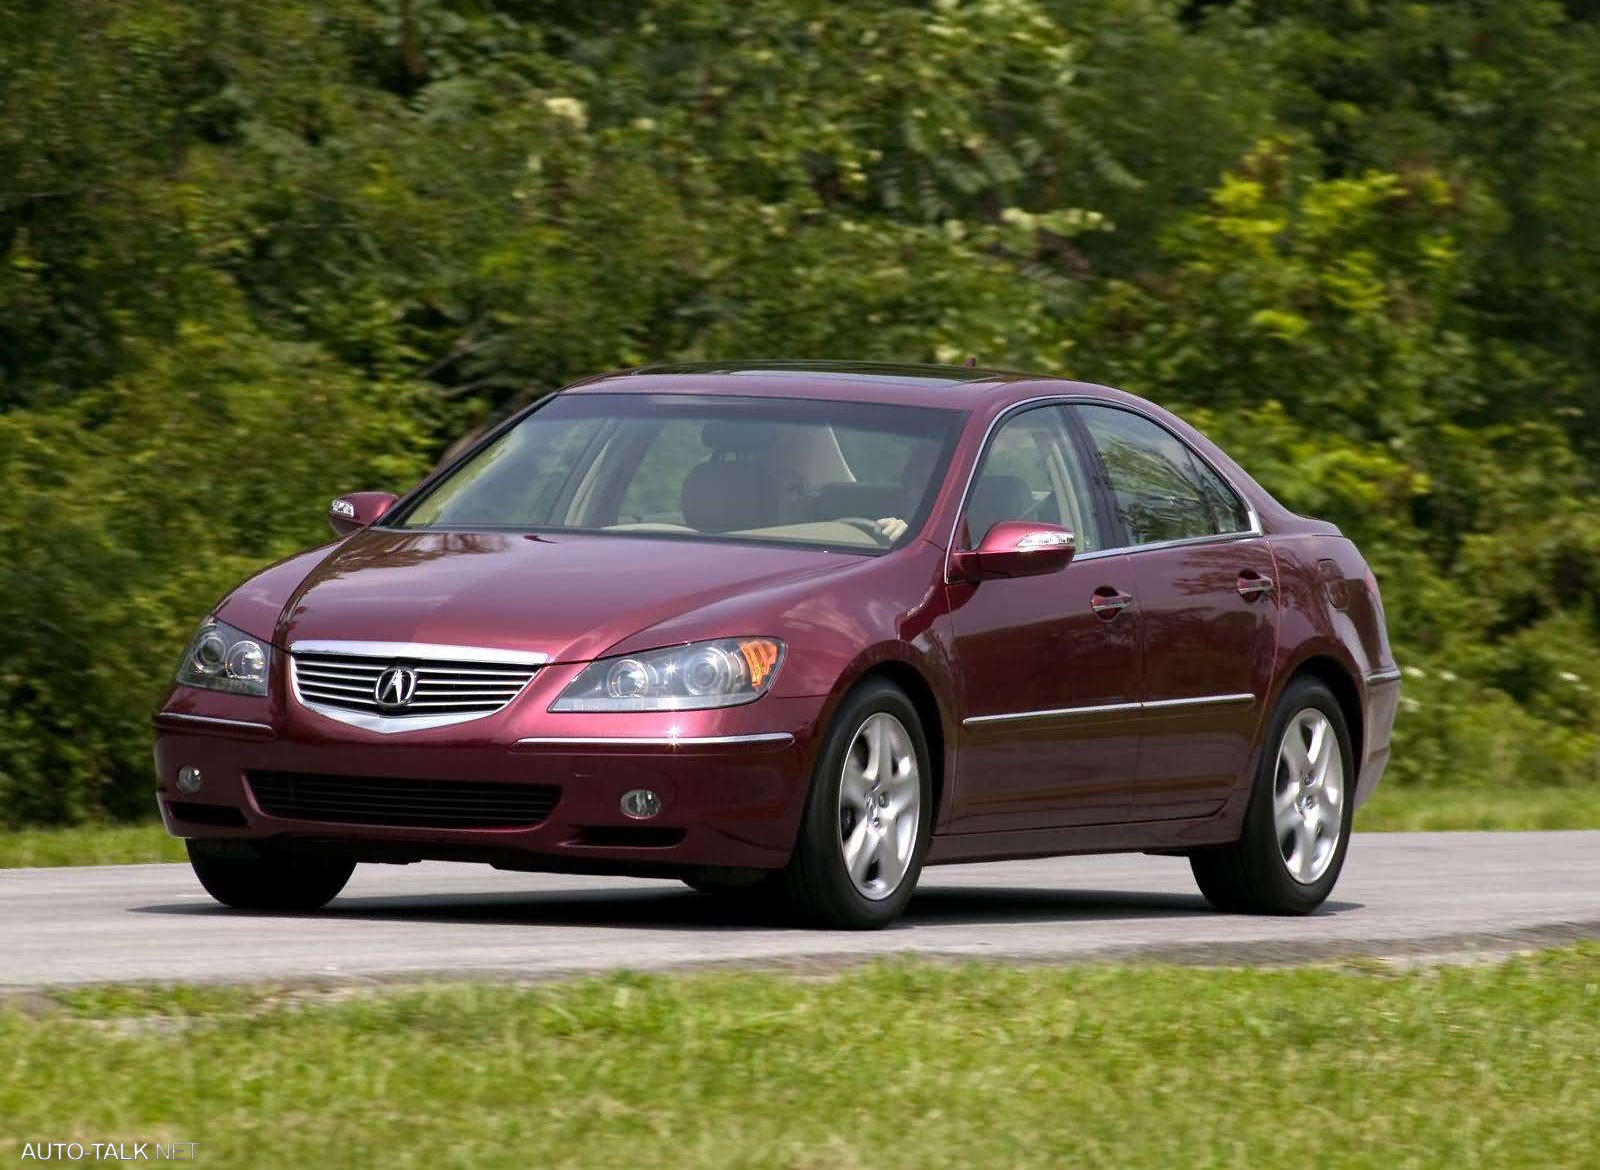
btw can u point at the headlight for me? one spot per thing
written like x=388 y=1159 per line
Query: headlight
x=221 y=658
x=722 y=673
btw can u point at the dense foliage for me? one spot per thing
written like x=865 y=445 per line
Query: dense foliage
x=254 y=254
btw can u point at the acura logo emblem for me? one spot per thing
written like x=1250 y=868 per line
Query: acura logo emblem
x=395 y=687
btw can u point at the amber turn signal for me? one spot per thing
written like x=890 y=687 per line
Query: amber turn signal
x=760 y=658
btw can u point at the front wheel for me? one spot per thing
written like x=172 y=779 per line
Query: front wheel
x=869 y=815
x=270 y=879
x=1297 y=827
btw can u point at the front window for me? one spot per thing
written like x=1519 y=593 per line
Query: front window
x=846 y=475
x=1032 y=472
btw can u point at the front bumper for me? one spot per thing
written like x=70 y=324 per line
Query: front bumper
x=732 y=783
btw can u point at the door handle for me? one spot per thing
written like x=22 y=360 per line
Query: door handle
x=1107 y=602
x=1252 y=585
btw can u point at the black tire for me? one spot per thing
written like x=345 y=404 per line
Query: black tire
x=1251 y=875
x=815 y=883
x=268 y=879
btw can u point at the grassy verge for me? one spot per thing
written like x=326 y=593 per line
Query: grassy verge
x=1395 y=809
x=898 y=1064
x=89 y=845
x=1391 y=809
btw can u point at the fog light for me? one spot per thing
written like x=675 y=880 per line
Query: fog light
x=188 y=779
x=640 y=803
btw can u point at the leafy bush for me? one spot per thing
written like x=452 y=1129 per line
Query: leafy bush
x=252 y=255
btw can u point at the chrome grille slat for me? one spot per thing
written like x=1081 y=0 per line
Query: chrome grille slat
x=432 y=672
x=449 y=689
x=467 y=696
x=347 y=701
x=435 y=704
x=340 y=672
x=307 y=683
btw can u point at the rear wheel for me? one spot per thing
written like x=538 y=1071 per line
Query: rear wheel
x=270 y=879
x=868 y=818
x=1297 y=828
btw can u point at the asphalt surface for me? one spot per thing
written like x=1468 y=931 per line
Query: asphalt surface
x=1401 y=895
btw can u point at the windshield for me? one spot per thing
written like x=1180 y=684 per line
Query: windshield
x=847 y=475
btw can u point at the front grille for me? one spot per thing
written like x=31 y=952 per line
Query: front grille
x=423 y=804
x=445 y=690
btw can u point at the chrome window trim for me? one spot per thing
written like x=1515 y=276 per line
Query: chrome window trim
x=423 y=651
x=776 y=737
x=1157 y=546
x=1384 y=676
x=1251 y=533
x=213 y=721
x=1109 y=709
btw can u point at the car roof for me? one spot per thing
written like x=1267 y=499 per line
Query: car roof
x=960 y=387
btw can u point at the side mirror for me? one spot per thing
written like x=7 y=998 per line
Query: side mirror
x=1016 y=548
x=347 y=514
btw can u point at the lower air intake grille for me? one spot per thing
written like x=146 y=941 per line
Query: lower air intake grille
x=431 y=804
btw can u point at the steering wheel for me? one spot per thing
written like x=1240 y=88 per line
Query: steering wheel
x=870 y=527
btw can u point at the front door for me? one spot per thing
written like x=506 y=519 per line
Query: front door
x=1208 y=613
x=1050 y=664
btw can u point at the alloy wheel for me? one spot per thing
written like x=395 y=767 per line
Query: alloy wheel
x=880 y=804
x=1308 y=796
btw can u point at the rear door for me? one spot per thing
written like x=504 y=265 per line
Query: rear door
x=1049 y=664
x=1207 y=593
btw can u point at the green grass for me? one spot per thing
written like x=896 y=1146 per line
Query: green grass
x=1393 y=809
x=1390 y=809
x=895 y=1065
x=89 y=845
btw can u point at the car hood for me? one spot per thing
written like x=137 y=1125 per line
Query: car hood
x=569 y=596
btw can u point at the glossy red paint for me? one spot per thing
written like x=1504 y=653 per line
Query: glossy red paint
x=1037 y=644
x=1115 y=703
x=1208 y=655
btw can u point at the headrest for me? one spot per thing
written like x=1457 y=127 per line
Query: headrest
x=919 y=466
x=727 y=495
x=996 y=498
x=726 y=435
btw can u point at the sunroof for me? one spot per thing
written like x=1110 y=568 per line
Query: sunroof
x=926 y=375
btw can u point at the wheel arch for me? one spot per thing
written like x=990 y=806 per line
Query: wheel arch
x=1339 y=679
x=919 y=689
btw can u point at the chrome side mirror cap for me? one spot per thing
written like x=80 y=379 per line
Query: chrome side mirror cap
x=351 y=513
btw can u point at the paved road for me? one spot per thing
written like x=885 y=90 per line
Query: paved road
x=1401 y=894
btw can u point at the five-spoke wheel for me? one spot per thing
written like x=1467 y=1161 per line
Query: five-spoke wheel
x=1308 y=795
x=865 y=828
x=880 y=805
x=1297 y=826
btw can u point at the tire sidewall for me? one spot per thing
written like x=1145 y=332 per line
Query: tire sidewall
x=1265 y=855
x=261 y=877
x=819 y=862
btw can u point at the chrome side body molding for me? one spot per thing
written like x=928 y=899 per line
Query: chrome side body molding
x=1108 y=709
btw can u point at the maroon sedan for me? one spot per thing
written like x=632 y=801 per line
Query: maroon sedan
x=801 y=627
